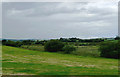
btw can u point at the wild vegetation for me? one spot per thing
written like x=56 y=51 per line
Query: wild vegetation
x=91 y=51
x=110 y=49
x=100 y=47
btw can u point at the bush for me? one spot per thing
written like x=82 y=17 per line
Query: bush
x=11 y=43
x=68 y=49
x=110 y=49
x=53 y=46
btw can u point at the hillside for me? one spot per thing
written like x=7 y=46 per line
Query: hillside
x=24 y=62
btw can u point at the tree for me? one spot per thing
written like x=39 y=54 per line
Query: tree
x=4 y=42
x=110 y=49
x=68 y=49
x=53 y=46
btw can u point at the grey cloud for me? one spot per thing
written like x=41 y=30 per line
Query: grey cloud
x=45 y=9
x=55 y=20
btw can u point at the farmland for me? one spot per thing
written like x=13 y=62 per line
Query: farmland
x=19 y=61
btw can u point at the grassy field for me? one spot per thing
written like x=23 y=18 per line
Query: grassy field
x=18 y=61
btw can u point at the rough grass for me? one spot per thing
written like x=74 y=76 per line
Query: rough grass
x=18 y=61
x=91 y=51
x=33 y=47
x=87 y=51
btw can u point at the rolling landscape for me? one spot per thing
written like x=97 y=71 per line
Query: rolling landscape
x=60 y=39
x=33 y=59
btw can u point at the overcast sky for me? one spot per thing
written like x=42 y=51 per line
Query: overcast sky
x=46 y=20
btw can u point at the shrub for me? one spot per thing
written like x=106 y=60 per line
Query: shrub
x=11 y=43
x=53 y=46
x=68 y=49
x=110 y=49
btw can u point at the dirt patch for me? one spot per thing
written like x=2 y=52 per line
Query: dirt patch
x=22 y=74
x=89 y=66
x=68 y=65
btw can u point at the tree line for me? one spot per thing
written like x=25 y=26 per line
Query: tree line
x=75 y=41
x=108 y=49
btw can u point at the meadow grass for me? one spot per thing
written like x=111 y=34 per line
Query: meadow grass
x=18 y=61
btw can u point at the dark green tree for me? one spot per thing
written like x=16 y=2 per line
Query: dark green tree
x=68 y=49
x=53 y=46
x=110 y=49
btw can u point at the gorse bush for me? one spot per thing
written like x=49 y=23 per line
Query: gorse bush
x=53 y=46
x=110 y=49
x=68 y=49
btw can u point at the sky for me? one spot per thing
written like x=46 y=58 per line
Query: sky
x=48 y=20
